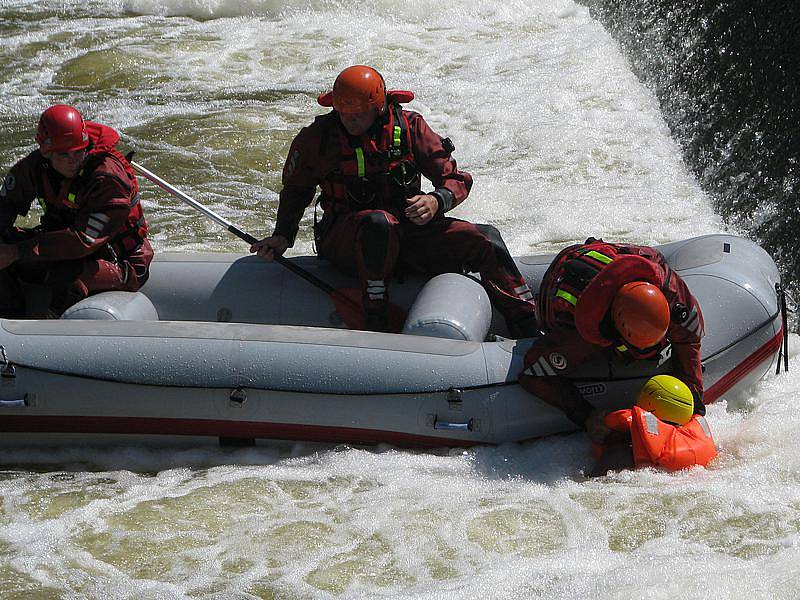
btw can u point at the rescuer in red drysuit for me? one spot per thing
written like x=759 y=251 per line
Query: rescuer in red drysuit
x=367 y=156
x=599 y=297
x=92 y=233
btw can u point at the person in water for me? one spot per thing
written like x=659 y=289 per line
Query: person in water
x=601 y=298
x=662 y=430
x=368 y=156
x=92 y=234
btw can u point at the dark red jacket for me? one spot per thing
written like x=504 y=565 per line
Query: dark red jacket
x=83 y=214
x=576 y=332
x=316 y=155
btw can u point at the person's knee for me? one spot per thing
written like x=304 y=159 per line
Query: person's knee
x=374 y=238
x=375 y=222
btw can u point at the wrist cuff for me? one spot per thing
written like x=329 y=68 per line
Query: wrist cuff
x=444 y=199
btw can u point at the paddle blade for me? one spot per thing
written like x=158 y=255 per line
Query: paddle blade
x=349 y=304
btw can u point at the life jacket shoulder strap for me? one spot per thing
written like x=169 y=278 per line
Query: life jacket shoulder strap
x=357 y=162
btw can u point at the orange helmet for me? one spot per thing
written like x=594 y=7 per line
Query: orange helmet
x=61 y=129
x=358 y=89
x=641 y=314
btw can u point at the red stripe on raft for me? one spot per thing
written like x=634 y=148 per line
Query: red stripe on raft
x=293 y=432
x=742 y=369
x=220 y=428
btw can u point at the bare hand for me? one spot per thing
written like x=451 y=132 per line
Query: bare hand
x=8 y=255
x=421 y=208
x=270 y=247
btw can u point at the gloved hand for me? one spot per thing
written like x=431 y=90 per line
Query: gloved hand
x=596 y=427
x=8 y=255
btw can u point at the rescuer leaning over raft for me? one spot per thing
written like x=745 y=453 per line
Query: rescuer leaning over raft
x=600 y=297
x=368 y=156
x=92 y=236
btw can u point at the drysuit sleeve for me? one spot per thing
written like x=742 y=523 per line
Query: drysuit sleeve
x=433 y=156
x=548 y=363
x=301 y=175
x=685 y=333
x=17 y=193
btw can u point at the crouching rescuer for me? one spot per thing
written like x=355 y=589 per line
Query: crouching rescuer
x=616 y=301
x=92 y=235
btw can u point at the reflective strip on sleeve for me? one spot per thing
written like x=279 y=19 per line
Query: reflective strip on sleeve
x=524 y=292
x=599 y=256
x=692 y=323
x=96 y=223
x=543 y=368
x=537 y=370
x=567 y=296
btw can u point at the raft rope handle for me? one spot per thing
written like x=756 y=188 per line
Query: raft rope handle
x=7 y=369
x=784 y=351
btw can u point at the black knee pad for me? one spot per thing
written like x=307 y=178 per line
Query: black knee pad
x=504 y=257
x=373 y=235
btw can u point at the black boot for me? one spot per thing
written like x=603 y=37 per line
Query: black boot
x=376 y=316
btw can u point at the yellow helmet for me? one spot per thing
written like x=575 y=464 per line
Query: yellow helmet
x=668 y=398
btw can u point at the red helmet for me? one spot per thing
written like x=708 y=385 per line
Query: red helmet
x=641 y=314
x=358 y=89
x=61 y=129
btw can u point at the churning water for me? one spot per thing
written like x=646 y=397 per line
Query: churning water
x=564 y=142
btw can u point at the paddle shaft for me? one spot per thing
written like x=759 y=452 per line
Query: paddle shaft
x=301 y=272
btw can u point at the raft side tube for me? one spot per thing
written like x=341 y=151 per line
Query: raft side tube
x=451 y=306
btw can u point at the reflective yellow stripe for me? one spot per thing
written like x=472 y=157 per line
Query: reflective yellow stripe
x=360 y=160
x=397 y=134
x=598 y=256
x=622 y=348
x=567 y=296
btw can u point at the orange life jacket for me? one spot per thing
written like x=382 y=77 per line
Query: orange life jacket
x=661 y=444
x=61 y=205
x=374 y=171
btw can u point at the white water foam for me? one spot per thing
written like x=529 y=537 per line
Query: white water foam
x=564 y=143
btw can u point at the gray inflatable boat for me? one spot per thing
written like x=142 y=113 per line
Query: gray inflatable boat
x=227 y=349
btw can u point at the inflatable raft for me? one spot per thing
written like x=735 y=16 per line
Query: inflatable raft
x=228 y=349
